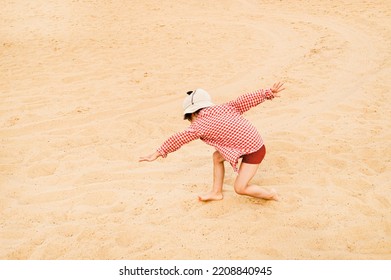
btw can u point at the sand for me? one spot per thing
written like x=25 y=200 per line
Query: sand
x=87 y=87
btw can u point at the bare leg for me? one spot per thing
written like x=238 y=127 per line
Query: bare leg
x=246 y=173
x=218 y=179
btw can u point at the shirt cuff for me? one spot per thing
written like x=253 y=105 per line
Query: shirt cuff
x=162 y=153
x=269 y=94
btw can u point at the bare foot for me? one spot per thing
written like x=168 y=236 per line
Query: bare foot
x=210 y=196
x=273 y=195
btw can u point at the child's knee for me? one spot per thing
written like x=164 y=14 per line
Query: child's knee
x=239 y=189
x=217 y=157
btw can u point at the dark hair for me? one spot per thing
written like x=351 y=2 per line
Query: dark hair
x=188 y=115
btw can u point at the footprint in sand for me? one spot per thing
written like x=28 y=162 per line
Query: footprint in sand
x=12 y=121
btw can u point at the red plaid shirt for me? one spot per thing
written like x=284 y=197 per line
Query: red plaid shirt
x=223 y=127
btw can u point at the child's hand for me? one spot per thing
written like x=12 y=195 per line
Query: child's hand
x=151 y=157
x=276 y=88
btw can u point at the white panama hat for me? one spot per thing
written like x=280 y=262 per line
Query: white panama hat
x=196 y=99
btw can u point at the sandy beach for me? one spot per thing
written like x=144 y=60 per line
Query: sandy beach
x=87 y=87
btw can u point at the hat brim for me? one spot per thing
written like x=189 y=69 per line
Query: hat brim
x=195 y=107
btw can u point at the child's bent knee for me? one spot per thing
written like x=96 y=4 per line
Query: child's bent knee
x=240 y=190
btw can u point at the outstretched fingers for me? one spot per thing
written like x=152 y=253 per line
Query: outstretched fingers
x=151 y=157
x=277 y=87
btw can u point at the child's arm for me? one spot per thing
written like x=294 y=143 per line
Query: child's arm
x=249 y=100
x=172 y=144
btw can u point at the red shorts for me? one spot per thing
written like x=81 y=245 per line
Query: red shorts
x=256 y=157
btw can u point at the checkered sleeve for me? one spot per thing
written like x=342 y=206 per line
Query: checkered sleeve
x=176 y=141
x=247 y=101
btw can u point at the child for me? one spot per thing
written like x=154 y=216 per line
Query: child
x=234 y=137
